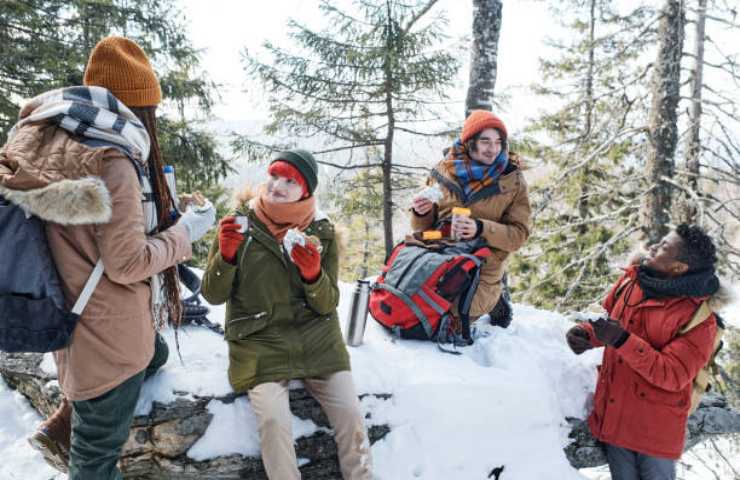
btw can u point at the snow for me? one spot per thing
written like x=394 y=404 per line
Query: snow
x=501 y=402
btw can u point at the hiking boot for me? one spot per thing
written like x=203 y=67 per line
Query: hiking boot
x=502 y=313
x=52 y=438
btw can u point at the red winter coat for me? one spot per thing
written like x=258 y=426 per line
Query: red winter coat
x=643 y=393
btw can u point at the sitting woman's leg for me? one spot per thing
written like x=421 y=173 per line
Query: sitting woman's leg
x=337 y=395
x=271 y=405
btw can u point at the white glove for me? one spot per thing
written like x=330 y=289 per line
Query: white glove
x=198 y=220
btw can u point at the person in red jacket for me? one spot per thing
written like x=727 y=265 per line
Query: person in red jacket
x=643 y=393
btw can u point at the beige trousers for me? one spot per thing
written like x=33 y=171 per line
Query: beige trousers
x=337 y=396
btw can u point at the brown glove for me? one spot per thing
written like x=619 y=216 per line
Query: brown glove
x=609 y=331
x=578 y=340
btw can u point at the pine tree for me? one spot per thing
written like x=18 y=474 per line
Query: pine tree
x=46 y=43
x=373 y=74
x=585 y=209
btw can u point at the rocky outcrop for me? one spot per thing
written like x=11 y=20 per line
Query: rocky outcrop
x=158 y=443
x=713 y=417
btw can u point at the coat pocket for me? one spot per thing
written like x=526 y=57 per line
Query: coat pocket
x=241 y=327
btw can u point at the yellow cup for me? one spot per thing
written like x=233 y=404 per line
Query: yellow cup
x=459 y=212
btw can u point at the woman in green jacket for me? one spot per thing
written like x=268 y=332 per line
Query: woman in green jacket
x=281 y=317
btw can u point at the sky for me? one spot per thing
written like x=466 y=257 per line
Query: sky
x=223 y=28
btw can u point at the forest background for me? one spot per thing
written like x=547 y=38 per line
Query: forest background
x=625 y=111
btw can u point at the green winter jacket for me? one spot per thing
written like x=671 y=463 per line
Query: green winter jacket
x=277 y=326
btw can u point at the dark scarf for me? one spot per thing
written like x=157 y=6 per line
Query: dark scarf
x=472 y=176
x=700 y=283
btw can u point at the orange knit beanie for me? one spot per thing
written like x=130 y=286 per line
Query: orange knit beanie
x=121 y=66
x=479 y=120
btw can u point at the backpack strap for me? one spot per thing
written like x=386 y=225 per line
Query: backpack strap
x=701 y=314
x=89 y=288
x=409 y=303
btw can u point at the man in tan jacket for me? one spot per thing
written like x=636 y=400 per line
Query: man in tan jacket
x=479 y=173
x=78 y=159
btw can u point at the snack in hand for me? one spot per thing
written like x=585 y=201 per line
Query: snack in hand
x=432 y=193
x=296 y=237
x=431 y=235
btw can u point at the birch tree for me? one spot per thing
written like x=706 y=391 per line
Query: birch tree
x=663 y=123
x=487 y=17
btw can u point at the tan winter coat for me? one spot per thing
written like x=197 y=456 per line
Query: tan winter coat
x=72 y=186
x=506 y=223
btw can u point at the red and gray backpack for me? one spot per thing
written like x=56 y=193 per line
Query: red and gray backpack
x=421 y=281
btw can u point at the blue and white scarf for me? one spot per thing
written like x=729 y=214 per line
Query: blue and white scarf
x=473 y=176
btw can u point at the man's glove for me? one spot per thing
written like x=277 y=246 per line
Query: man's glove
x=609 y=331
x=308 y=261
x=229 y=238
x=578 y=340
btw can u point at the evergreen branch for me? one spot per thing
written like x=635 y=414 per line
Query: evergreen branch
x=425 y=134
x=600 y=149
x=416 y=17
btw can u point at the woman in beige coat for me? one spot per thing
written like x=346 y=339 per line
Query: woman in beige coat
x=78 y=158
x=479 y=173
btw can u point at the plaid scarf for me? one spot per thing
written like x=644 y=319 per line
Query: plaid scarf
x=90 y=112
x=472 y=176
x=102 y=121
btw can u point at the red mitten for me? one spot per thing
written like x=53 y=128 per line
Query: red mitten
x=229 y=238
x=308 y=261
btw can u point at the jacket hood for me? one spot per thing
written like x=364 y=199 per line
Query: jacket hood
x=50 y=175
x=723 y=297
x=67 y=202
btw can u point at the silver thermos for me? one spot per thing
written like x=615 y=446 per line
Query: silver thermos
x=355 y=328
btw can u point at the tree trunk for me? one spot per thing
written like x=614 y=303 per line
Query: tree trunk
x=693 y=143
x=583 y=206
x=487 y=16
x=388 y=144
x=663 y=129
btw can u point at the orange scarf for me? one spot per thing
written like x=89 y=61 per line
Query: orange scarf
x=281 y=217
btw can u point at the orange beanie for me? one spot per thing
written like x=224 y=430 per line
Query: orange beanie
x=479 y=120
x=121 y=66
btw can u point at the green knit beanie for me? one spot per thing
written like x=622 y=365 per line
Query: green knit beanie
x=304 y=162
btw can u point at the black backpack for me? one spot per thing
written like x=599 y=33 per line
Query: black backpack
x=32 y=313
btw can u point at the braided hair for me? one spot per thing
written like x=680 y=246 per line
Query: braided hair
x=697 y=248
x=164 y=202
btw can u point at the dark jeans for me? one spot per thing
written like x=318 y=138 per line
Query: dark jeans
x=627 y=464
x=100 y=426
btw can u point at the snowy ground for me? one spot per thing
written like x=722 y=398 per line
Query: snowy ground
x=452 y=417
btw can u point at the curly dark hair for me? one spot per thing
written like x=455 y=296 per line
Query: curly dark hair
x=697 y=250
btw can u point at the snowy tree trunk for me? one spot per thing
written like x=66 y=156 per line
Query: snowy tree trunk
x=663 y=128
x=388 y=146
x=693 y=143
x=583 y=204
x=487 y=16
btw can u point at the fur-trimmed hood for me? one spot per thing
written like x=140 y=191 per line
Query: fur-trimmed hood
x=49 y=174
x=67 y=202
